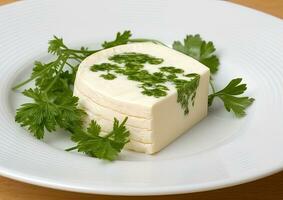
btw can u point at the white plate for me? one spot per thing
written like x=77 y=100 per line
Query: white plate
x=220 y=151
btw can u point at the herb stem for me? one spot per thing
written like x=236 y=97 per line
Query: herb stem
x=74 y=58
x=146 y=40
x=71 y=149
x=35 y=75
x=84 y=51
x=23 y=83
x=77 y=56
x=57 y=75
x=212 y=86
x=72 y=67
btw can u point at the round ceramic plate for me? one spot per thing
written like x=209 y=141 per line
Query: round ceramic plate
x=218 y=152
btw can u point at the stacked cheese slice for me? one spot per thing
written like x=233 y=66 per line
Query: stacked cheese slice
x=153 y=122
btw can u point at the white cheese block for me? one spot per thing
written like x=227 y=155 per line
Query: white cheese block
x=153 y=122
x=140 y=147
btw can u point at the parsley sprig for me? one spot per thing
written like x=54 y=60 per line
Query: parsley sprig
x=91 y=143
x=200 y=50
x=230 y=98
x=125 y=38
x=46 y=113
x=204 y=52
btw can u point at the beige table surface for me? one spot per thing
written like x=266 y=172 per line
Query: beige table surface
x=270 y=188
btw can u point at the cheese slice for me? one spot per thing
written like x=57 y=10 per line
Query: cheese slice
x=94 y=108
x=153 y=122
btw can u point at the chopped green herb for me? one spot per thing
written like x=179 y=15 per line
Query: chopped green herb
x=151 y=83
x=192 y=75
x=154 y=92
x=172 y=70
x=103 y=67
x=135 y=58
x=187 y=91
x=108 y=76
x=171 y=77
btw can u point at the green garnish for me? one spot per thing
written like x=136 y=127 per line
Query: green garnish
x=91 y=143
x=103 y=67
x=54 y=107
x=132 y=58
x=152 y=84
x=49 y=112
x=186 y=91
x=200 y=50
x=108 y=76
x=171 y=70
x=125 y=38
x=203 y=51
x=230 y=98
x=121 y=38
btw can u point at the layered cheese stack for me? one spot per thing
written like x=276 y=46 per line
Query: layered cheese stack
x=153 y=122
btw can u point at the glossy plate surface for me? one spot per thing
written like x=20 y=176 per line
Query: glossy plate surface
x=218 y=152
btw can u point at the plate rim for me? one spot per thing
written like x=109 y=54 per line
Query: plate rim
x=109 y=190
x=119 y=191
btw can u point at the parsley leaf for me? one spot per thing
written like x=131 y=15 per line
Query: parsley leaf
x=120 y=39
x=230 y=99
x=38 y=115
x=108 y=147
x=56 y=45
x=48 y=114
x=200 y=50
x=203 y=51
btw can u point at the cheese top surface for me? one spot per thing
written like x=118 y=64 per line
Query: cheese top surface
x=94 y=81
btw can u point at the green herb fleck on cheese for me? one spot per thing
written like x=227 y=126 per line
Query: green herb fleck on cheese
x=108 y=76
x=186 y=91
x=172 y=70
x=135 y=58
x=152 y=84
x=103 y=67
